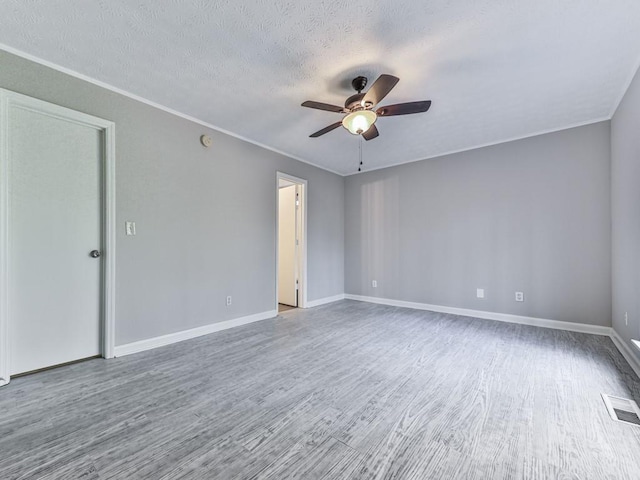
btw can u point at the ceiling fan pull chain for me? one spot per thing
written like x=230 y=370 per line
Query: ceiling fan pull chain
x=360 y=154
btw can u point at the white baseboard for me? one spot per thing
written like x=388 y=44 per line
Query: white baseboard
x=620 y=344
x=626 y=351
x=148 y=344
x=324 y=301
x=501 y=317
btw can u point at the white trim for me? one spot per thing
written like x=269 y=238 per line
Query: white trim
x=626 y=351
x=485 y=145
x=302 y=286
x=11 y=99
x=500 y=317
x=109 y=242
x=625 y=89
x=133 y=96
x=325 y=300
x=4 y=240
x=620 y=344
x=150 y=343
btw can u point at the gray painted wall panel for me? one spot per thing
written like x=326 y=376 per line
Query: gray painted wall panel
x=625 y=203
x=531 y=215
x=205 y=218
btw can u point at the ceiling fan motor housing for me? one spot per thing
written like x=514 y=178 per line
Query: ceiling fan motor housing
x=359 y=83
x=354 y=102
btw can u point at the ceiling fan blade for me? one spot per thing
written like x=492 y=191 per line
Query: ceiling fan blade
x=404 y=108
x=380 y=88
x=371 y=133
x=323 y=106
x=326 y=130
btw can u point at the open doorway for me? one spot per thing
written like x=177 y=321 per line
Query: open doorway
x=291 y=243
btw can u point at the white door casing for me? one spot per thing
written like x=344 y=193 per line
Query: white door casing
x=301 y=219
x=34 y=252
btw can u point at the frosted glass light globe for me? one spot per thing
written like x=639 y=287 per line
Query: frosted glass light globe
x=359 y=122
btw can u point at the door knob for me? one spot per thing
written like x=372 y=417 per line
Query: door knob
x=94 y=253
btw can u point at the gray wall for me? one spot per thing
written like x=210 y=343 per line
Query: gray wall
x=625 y=203
x=205 y=218
x=531 y=215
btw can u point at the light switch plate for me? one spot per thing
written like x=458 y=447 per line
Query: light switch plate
x=130 y=227
x=480 y=292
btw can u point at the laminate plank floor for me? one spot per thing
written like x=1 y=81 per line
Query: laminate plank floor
x=344 y=391
x=283 y=308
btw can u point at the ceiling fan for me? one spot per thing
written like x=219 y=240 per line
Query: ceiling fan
x=361 y=118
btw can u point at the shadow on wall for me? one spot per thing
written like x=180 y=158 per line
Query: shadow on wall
x=380 y=237
x=530 y=216
x=421 y=241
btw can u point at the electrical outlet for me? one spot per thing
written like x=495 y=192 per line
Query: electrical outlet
x=626 y=318
x=130 y=228
x=480 y=292
x=374 y=283
x=228 y=300
x=519 y=296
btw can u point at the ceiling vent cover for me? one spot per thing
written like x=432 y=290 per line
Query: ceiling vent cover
x=622 y=409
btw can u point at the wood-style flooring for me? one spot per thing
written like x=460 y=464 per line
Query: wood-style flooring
x=344 y=391
x=283 y=308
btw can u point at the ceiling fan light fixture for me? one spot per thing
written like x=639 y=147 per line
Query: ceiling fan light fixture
x=360 y=121
x=360 y=108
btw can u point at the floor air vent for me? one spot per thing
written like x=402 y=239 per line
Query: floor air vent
x=622 y=409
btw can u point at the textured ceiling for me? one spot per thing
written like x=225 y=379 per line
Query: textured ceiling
x=494 y=69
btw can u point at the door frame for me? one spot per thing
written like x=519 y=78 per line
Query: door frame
x=9 y=99
x=302 y=284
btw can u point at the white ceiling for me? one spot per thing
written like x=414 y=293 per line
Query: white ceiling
x=495 y=69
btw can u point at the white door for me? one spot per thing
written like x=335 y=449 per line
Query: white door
x=287 y=249
x=55 y=183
